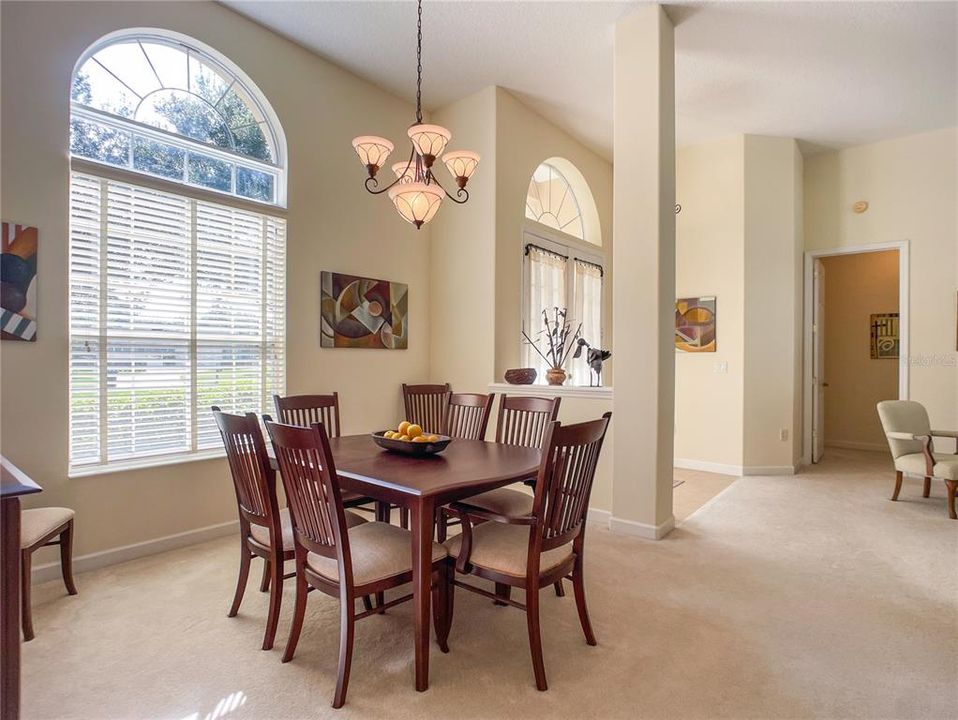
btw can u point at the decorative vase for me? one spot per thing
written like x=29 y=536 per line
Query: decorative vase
x=521 y=376
x=555 y=376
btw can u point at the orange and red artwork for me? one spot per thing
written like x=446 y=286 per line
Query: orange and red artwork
x=695 y=324
x=18 y=282
x=360 y=312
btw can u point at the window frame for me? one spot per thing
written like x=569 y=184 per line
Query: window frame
x=573 y=249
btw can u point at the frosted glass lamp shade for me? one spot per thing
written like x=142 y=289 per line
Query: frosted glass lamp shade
x=461 y=164
x=429 y=141
x=372 y=151
x=417 y=202
x=405 y=171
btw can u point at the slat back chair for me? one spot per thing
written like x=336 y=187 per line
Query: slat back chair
x=304 y=410
x=426 y=405
x=467 y=415
x=524 y=420
x=332 y=559
x=254 y=481
x=554 y=545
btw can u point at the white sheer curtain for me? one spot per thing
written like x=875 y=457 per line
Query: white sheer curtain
x=546 y=283
x=588 y=311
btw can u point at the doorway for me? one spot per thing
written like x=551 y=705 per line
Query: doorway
x=856 y=344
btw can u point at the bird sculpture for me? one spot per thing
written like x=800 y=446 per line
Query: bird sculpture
x=595 y=357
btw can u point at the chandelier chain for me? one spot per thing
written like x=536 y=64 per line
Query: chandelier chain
x=419 y=66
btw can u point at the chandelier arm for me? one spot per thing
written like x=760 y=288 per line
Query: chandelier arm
x=460 y=193
x=371 y=183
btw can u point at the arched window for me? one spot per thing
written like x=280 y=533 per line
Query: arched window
x=177 y=251
x=157 y=105
x=562 y=266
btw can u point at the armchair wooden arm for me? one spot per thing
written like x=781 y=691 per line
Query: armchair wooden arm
x=926 y=448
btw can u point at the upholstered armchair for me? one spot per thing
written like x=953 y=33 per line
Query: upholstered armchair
x=911 y=441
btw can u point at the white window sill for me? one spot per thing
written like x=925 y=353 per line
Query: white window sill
x=143 y=463
x=594 y=393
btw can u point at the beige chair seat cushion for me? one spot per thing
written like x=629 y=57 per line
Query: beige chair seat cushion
x=260 y=533
x=38 y=522
x=503 y=501
x=504 y=548
x=946 y=466
x=378 y=551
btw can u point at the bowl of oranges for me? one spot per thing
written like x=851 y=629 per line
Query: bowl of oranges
x=410 y=439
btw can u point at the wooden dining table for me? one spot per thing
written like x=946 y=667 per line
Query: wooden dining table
x=464 y=468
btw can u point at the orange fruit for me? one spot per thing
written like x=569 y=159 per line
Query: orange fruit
x=433 y=438
x=414 y=431
x=403 y=427
x=404 y=438
x=420 y=439
x=388 y=434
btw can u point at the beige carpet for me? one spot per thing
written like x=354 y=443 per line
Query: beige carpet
x=787 y=597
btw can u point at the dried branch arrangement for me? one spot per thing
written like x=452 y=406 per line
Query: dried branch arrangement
x=559 y=340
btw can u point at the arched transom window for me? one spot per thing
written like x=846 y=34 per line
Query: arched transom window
x=154 y=105
x=551 y=201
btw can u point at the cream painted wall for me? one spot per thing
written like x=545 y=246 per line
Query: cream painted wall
x=910 y=185
x=857 y=286
x=332 y=225
x=710 y=260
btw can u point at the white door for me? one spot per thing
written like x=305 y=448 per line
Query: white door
x=818 y=361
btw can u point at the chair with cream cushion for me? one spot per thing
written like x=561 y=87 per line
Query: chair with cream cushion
x=336 y=559
x=260 y=517
x=40 y=527
x=910 y=439
x=538 y=549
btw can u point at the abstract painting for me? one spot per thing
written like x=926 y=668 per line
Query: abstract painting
x=360 y=312
x=18 y=282
x=884 y=336
x=695 y=324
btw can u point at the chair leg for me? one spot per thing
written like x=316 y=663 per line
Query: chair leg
x=299 y=612
x=382 y=511
x=440 y=606
x=578 y=586
x=535 y=637
x=894 y=495
x=442 y=526
x=26 y=614
x=380 y=601
x=404 y=518
x=503 y=591
x=275 y=601
x=560 y=591
x=264 y=583
x=245 y=560
x=346 y=626
x=926 y=491
x=367 y=603
x=450 y=598
x=66 y=558
x=951 y=488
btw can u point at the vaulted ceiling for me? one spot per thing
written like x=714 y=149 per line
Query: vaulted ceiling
x=832 y=74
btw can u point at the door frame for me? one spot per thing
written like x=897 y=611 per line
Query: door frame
x=903 y=248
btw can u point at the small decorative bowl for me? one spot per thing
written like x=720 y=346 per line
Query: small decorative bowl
x=413 y=449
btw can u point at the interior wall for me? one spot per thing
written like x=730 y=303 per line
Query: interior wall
x=333 y=224
x=710 y=260
x=910 y=184
x=856 y=287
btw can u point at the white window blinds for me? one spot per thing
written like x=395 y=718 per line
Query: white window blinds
x=176 y=304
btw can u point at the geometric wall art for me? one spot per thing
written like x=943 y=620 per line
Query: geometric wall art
x=358 y=312
x=18 y=282
x=884 y=336
x=695 y=324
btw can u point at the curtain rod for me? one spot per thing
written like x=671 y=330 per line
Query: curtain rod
x=545 y=250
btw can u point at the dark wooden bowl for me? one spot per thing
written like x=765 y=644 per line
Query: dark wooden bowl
x=413 y=449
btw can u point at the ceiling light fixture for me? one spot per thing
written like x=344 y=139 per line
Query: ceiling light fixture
x=417 y=193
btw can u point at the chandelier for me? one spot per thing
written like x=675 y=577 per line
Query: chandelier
x=416 y=192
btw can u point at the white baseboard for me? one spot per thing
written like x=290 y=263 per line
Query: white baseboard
x=600 y=517
x=706 y=466
x=769 y=470
x=113 y=556
x=622 y=526
x=850 y=445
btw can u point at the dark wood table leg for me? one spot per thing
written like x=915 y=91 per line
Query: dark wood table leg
x=10 y=610
x=423 y=514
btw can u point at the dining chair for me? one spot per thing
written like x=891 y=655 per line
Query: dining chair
x=339 y=560
x=40 y=527
x=426 y=405
x=536 y=550
x=304 y=410
x=467 y=415
x=265 y=530
x=911 y=440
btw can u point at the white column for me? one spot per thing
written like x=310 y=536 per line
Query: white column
x=643 y=296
